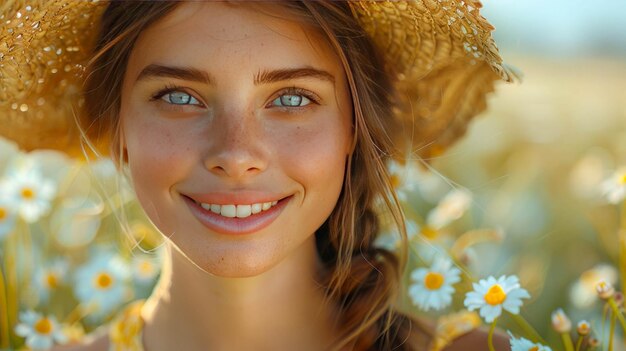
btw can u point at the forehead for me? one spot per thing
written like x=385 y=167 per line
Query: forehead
x=215 y=35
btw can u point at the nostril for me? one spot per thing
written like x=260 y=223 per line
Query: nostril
x=233 y=169
x=235 y=161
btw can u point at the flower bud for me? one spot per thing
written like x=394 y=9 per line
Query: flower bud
x=560 y=322
x=583 y=328
x=593 y=342
x=605 y=290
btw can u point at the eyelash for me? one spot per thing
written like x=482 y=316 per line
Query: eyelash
x=170 y=88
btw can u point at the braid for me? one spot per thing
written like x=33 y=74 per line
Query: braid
x=362 y=280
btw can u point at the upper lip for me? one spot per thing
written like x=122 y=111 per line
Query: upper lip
x=244 y=197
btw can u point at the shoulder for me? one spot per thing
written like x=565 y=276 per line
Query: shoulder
x=96 y=342
x=477 y=340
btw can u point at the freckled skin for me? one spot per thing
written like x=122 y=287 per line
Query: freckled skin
x=234 y=140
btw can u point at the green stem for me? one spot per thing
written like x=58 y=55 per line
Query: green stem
x=490 y=336
x=611 y=331
x=529 y=331
x=4 y=314
x=617 y=313
x=12 y=283
x=77 y=314
x=567 y=342
x=605 y=311
x=623 y=216
x=622 y=244
x=579 y=342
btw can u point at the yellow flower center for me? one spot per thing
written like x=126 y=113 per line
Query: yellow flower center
x=495 y=295
x=3 y=213
x=52 y=280
x=28 y=193
x=433 y=280
x=534 y=348
x=145 y=268
x=43 y=326
x=429 y=232
x=103 y=281
x=622 y=179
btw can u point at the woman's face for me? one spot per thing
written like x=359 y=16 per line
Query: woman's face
x=227 y=106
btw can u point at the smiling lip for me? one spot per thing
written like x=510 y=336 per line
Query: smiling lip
x=235 y=225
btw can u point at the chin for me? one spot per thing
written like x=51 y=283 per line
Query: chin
x=239 y=261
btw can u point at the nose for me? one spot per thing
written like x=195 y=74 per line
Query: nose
x=237 y=147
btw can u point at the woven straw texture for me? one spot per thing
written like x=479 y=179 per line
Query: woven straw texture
x=440 y=53
x=44 y=46
x=444 y=60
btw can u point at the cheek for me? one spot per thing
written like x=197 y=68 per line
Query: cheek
x=315 y=157
x=156 y=158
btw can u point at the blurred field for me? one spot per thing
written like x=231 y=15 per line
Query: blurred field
x=535 y=161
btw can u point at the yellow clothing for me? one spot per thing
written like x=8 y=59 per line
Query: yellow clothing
x=125 y=332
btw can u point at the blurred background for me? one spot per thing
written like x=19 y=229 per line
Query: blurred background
x=535 y=165
x=536 y=160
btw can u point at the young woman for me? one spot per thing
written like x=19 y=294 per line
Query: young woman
x=255 y=136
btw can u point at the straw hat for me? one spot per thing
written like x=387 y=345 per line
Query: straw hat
x=440 y=52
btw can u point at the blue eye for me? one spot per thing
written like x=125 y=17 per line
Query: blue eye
x=291 y=100
x=179 y=98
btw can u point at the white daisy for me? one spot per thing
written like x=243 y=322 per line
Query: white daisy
x=145 y=268
x=614 y=188
x=41 y=332
x=583 y=328
x=560 y=322
x=49 y=277
x=583 y=292
x=32 y=192
x=7 y=215
x=432 y=287
x=522 y=344
x=491 y=295
x=431 y=185
x=410 y=177
x=102 y=283
x=450 y=208
x=402 y=178
x=76 y=221
x=605 y=290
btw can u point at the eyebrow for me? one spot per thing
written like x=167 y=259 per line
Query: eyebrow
x=263 y=77
x=183 y=73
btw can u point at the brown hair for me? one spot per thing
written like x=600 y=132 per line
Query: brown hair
x=361 y=279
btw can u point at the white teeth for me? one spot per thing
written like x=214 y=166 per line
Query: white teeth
x=244 y=211
x=239 y=211
x=229 y=211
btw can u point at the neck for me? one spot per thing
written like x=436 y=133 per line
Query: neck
x=280 y=309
